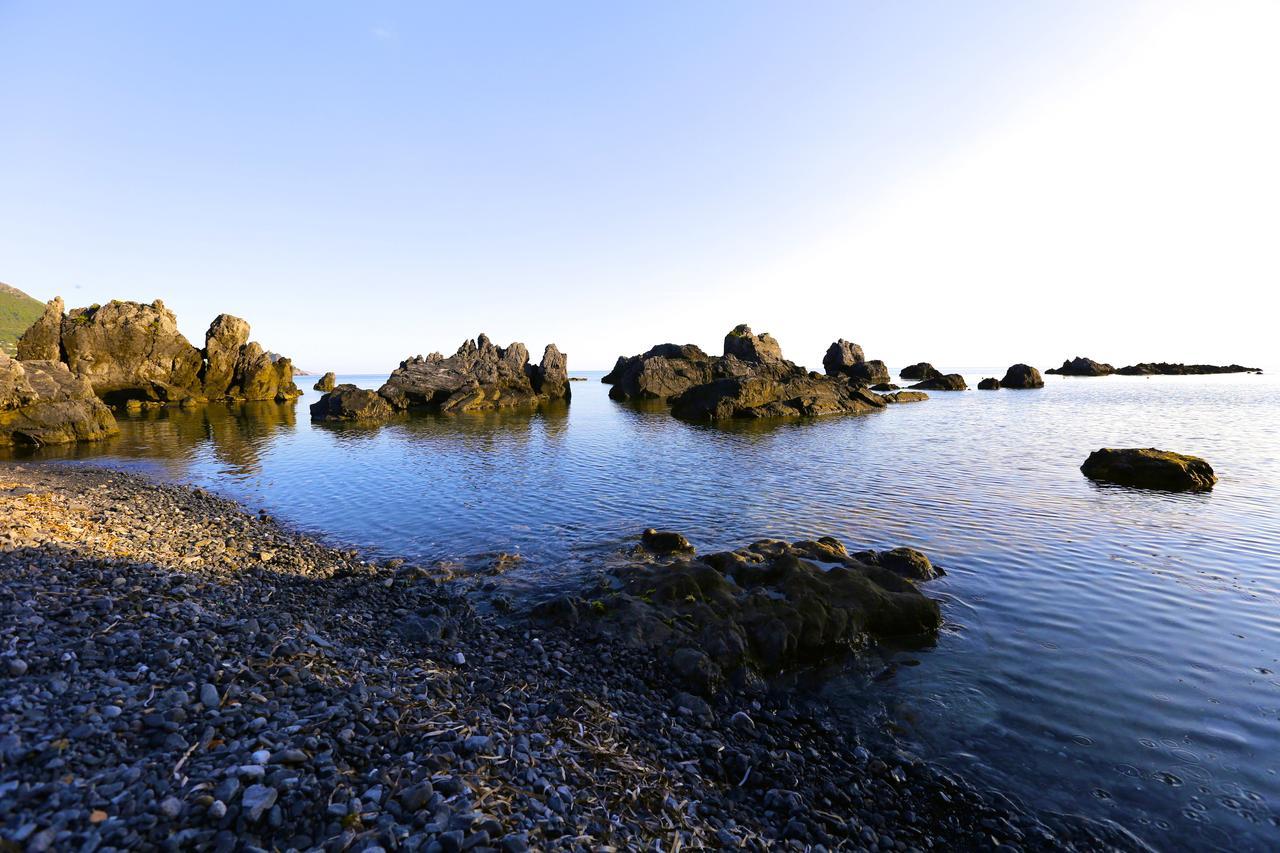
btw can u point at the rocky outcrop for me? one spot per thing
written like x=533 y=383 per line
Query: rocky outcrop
x=989 y=384
x=1022 y=376
x=327 y=382
x=947 y=382
x=664 y=372
x=131 y=352
x=743 y=344
x=1164 y=368
x=761 y=609
x=920 y=371
x=1150 y=469
x=847 y=360
x=349 y=403
x=806 y=395
x=478 y=376
x=885 y=386
x=1081 y=366
x=42 y=402
x=42 y=341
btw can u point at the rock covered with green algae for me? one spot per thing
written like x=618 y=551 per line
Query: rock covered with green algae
x=42 y=402
x=1149 y=468
x=761 y=609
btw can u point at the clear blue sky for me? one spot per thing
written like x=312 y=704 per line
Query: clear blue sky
x=963 y=182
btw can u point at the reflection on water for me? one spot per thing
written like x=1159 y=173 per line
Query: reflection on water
x=1107 y=651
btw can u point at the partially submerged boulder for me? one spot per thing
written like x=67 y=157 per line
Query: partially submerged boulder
x=1022 y=376
x=327 y=382
x=349 y=403
x=764 y=608
x=1149 y=468
x=920 y=371
x=42 y=402
x=989 y=384
x=947 y=382
x=808 y=395
x=905 y=397
x=130 y=352
x=1081 y=366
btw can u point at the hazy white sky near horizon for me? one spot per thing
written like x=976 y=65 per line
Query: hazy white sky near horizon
x=974 y=183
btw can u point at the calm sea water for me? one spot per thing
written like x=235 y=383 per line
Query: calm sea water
x=1107 y=652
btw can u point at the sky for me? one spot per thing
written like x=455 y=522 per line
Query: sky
x=974 y=183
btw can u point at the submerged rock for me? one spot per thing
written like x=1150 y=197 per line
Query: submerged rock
x=1081 y=366
x=349 y=403
x=920 y=371
x=763 y=608
x=948 y=382
x=42 y=402
x=666 y=542
x=989 y=384
x=1022 y=376
x=1150 y=469
x=1164 y=368
x=327 y=382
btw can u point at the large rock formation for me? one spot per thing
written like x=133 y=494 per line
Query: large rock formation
x=327 y=382
x=1081 y=366
x=920 y=371
x=989 y=384
x=129 y=351
x=760 y=609
x=664 y=372
x=947 y=382
x=42 y=402
x=477 y=377
x=1022 y=376
x=1149 y=468
x=750 y=380
x=1164 y=368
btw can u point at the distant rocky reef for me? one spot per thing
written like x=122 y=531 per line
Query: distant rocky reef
x=1164 y=368
x=133 y=354
x=750 y=380
x=1081 y=366
x=480 y=376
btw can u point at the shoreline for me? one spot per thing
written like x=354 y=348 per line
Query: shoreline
x=176 y=666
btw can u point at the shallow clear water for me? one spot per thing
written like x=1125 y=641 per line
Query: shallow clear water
x=1108 y=652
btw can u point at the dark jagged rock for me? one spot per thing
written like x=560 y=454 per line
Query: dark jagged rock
x=948 y=382
x=920 y=371
x=664 y=372
x=1081 y=366
x=989 y=384
x=478 y=376
x=130 y=352
x=872 y=372
x=763 y=608
x=349 y=403
x=1022 y=376
x=1164 y=368
x=42 y=402
x=841 y=356
x=905 y=397
x=327 y=382
x=885 y=386
x=1150 y=469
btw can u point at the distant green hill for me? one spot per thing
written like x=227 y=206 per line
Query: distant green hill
x=17 y=312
